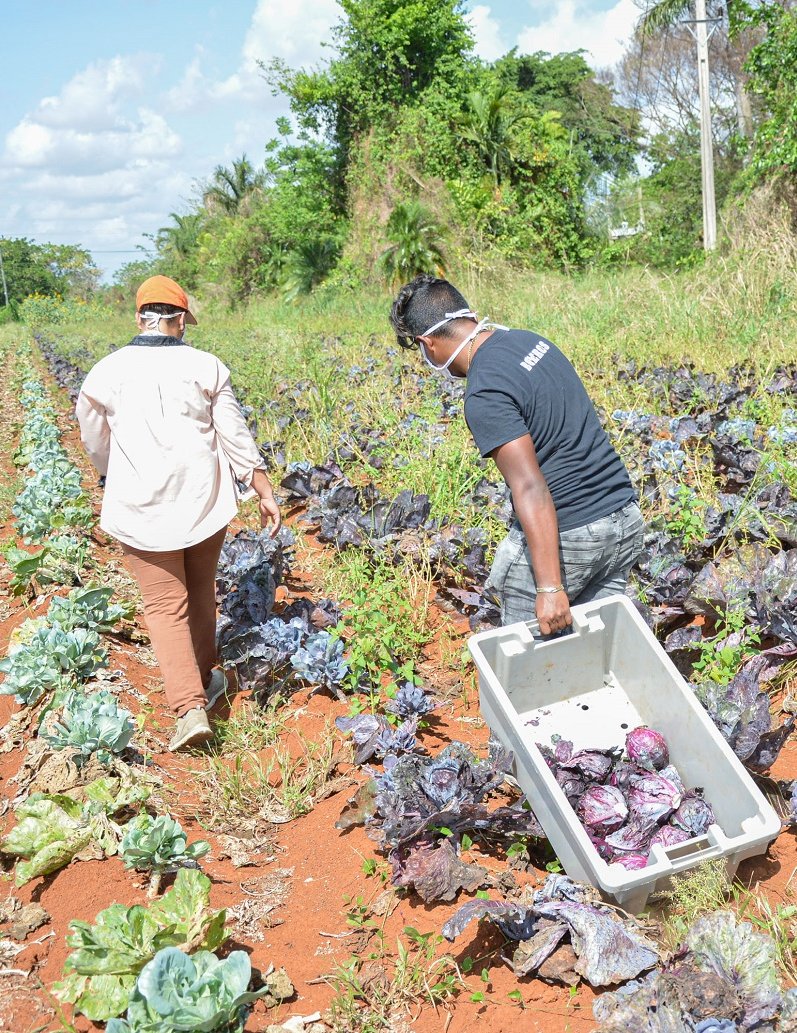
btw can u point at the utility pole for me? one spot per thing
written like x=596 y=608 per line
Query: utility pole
x=3 y=278
x=706 y=147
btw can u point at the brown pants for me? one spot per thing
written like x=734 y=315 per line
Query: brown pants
x=179 y=593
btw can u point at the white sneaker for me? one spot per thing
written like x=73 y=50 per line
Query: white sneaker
x=217 y=687
x=191 y=729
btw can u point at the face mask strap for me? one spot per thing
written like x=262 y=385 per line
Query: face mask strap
x=153 y=319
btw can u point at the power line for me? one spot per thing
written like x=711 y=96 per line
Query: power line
x=127 y=251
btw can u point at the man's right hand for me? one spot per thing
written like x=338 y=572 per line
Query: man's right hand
x=553 y=612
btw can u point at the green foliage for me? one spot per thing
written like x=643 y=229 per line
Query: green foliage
x=176 y=992
x=46 y=269
x=106 y=957
x=157 y=844
x=415 y=244
x=51 y=659
x=307 y=265
x=177 y=247
x=772 y=66
x=293 y=235
x=89 y=607
x=686 y=520
x=722 y=656
x=229 y=188
x=672 y=201
x=92 y=725
x=380 y=637
x=488 y=123
x=389 y=54
x=604 y=134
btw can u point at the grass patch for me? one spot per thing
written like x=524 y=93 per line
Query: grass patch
x=697 y=892
x=373 y=992
x=255 y=776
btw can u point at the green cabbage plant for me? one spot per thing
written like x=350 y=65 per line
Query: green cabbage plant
x=51 y=659
x=106 y=957
x=88 y=725
x=89 y=608
x=158 y=844
x=176 y=992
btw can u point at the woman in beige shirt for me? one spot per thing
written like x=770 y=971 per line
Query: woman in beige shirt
x=159 y=421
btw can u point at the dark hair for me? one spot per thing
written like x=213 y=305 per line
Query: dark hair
x=422 y=303
x=162 y=308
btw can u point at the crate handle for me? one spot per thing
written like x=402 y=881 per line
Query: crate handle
x=683 y=854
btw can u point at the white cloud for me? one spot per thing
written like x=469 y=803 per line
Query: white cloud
x=294 y=31
x=571 y=26
x=30 y=145
x=94 y=164
x=91 y=99
x=487 y=33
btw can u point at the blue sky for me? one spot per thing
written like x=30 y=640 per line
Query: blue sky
x=111 y=112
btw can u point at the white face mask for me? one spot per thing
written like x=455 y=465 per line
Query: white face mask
x=463 y=313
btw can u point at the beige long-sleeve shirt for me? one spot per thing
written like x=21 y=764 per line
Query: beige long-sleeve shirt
x=160 y=421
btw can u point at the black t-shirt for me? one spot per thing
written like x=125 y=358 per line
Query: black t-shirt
x=519 y=383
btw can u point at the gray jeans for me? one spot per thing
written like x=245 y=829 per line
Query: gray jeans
x=595 y=558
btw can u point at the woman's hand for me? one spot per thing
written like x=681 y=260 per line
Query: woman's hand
x=269 y=510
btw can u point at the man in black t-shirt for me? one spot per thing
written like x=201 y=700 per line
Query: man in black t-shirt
x=577 y=528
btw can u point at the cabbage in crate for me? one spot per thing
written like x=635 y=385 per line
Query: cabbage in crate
x=629 y=801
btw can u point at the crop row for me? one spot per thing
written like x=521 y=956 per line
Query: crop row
x=130 y=960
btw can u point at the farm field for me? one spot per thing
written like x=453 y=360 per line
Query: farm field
x=348 y=645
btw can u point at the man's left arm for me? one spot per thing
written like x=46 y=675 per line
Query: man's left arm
x=517 y=461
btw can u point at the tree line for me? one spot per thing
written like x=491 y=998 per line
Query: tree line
x=405 y=151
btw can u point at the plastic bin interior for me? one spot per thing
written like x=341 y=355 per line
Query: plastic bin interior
x=608 y=676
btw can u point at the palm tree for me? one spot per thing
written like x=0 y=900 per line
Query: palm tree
x=662 y=15
x=415 y=243
x=488 y=124
x=229 y=187
x=182 y=238
x=307 y=266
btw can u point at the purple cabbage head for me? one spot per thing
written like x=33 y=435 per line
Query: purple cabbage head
x=602 y=809
x=632 y=862
x=693 y=815
x=647 y=748
x=398 y=740
x=669 y=835
x=593 y=765
x=652 y=798
x=633 y=838
x=411 y=700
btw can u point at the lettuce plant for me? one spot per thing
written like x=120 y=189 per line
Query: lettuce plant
x=175 y=992
x=53 y=829
x=94 y=724
x=158 y=844
x=106 y=957
x=50 y=831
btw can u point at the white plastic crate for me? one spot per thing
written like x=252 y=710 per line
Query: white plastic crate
x=592 y=686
